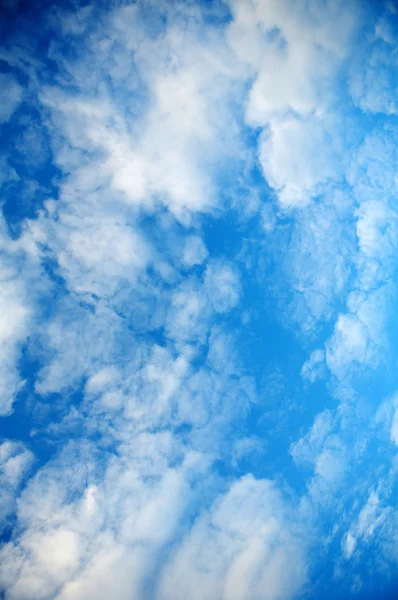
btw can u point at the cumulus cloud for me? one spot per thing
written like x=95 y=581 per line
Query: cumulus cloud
x=171 y=154
x=291 y=162
x=240 y=548
x=292 y=54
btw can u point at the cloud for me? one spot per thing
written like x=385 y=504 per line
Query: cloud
x=76 y=342
x=318 y=275
x=369 y=519
x=183 y=104
x=309 y=447
x=373 y=88
x=331 y=463
x=104 y=514
x=292 y=163
x=144 y=331
x=240 y=548
x=15 y=463
x=386 y=416
x=222 y=284
x=11 y=96
x=195 y=252
x=292 y=55
x=188 y=314
x=105 y=251
x=359 y=274
x=313 y=369
x=18 y=270
x=12 y=333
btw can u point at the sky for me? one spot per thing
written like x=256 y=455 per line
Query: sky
x=198 y=291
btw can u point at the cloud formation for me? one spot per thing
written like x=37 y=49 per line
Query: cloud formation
x=197 y=290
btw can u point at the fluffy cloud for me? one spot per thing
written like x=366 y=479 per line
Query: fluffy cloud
x=292 y=163
x=172 y=152
x=292 y=55
x=240 y=548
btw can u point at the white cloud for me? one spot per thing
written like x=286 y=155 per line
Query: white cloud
x=10 y=96
x=297 y=157
x=313 y=368
x=195 y=252
x=376 y=233
x=15 y=462
x=122 y=521
x=15 y=315
x=144 y=125
x=19 y=272
x=97 y=256
x=331 y=463
x=373 y=86
x=327 y=449
x=349 y=342
x=309 y=446
x=222 y=353
x=292 y=54
x=359 y=336
x=101 y=380
x=268 y=218
x=318 y=275
x=222 y=284
x=240 y=549
x=369 y=519
x=293 y=48
x=77 y=343
x=360 y=276
x=188 y=315
x=169 y=154
x=387 y=417
x=349 y=545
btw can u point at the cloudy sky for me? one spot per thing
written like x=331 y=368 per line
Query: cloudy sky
x=198 y=292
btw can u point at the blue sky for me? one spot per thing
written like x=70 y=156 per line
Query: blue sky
x=198 y=349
